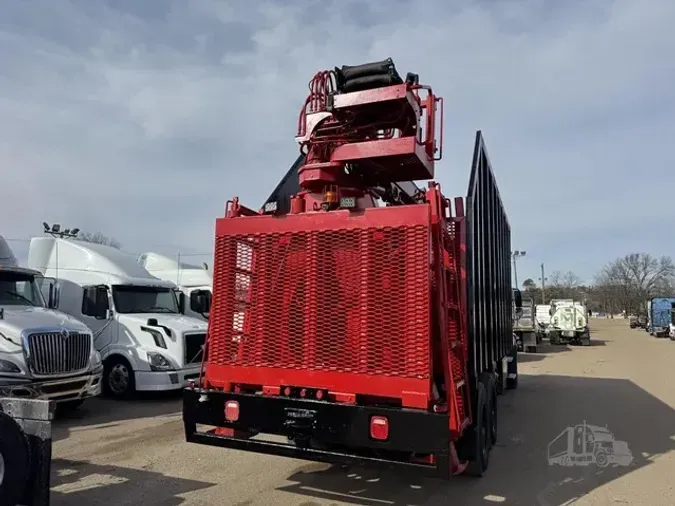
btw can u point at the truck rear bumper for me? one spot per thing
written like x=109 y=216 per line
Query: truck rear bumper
x=332 y=433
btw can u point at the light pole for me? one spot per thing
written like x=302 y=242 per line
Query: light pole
x=543 y=280
x=515 y=255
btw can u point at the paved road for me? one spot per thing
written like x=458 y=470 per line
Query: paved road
x=130 y=453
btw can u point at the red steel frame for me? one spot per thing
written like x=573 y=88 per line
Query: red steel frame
x=334 y=129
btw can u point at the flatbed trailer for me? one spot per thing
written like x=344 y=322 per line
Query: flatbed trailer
x=362 y=333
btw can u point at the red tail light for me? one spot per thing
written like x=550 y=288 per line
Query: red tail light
x=231 y=411
x=379 y=428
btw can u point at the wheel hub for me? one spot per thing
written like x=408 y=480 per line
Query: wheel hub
x=119 y=378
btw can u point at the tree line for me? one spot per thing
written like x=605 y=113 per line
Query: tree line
x=624 y=284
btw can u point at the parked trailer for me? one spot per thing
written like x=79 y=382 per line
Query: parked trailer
x=352 y=345
x=660 y=310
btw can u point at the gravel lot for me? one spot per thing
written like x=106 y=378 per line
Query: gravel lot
x=130 y=453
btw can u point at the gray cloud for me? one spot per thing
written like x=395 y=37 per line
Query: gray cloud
x=140 y=119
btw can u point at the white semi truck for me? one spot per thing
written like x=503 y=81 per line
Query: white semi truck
x=569 y=323
x=145 y=341
x=44 y=353
x=194 y=281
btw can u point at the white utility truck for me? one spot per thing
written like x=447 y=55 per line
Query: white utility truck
x=524 y=327
x=194 y=281
x=145 y=341
x=44 y=353
x=569 y=323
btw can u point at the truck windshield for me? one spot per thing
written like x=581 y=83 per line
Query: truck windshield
x=144 y=299
x=19 y=289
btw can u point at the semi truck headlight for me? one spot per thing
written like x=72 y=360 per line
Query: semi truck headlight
x=9 y=367
x=95 y=359
x=159 y=362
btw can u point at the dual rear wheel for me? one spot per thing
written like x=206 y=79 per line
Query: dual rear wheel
x=477 y=444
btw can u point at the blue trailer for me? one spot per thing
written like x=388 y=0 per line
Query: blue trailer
x=660 y=311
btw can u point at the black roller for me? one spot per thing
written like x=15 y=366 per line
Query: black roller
x=367 y=76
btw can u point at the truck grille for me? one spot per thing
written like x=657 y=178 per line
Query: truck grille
x=52 y=353
x=193 y=347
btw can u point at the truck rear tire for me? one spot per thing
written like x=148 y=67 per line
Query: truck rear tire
x=478 y=437
x=488 y=379
x=14 y=461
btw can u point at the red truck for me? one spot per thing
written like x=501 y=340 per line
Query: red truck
x=365 y=320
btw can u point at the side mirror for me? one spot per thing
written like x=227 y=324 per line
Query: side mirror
x=200 y=301
x=102 y=306
x=517 y=299
x=54 y=295
x=181 y=302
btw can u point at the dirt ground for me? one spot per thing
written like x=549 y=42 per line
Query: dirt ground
x=131 y=453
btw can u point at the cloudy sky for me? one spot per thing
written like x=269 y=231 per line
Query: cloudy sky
x=140 y=119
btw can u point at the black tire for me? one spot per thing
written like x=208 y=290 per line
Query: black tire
x=112 y=383
x=15 y=463
x=478 y=437
x=512 y=383
x=499 y=377
x=489 y=380
x=601 y=459
x=67 y=407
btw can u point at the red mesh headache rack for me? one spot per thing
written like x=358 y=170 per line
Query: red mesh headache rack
x=334 y=301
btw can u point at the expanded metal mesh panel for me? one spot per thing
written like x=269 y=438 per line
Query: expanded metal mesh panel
x=347 y=300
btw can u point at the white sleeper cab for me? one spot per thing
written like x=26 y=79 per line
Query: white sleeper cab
x=194 y=281
x=145 y=341
x=44 y=353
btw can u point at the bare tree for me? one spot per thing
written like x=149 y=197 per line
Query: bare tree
x=630 y=280
x=555 y=279
x=564 y=286
x=570 y=280
x=99 y=238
